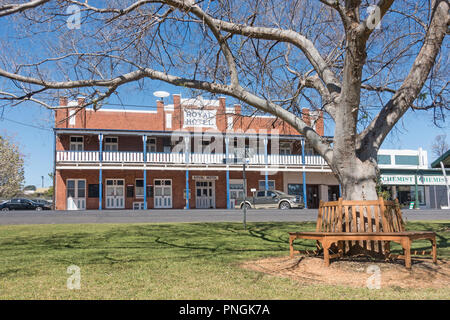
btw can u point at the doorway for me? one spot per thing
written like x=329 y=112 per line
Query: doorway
x=312 y=196
x=205 y=195
x=163 y=194
x=76 y=194
x=115 y=191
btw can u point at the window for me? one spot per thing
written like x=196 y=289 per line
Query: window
x=168 y=121
x=139 y=188
x=230 y=122
x=111 y=143
x=237 y=190
x=72 y=117
x=76 y=143
x=407 y=160
x=285 y=149
x=151 y=144
x=384 y=159
x=271 y=194
x=138 y=206
x=296 y=189
x=260 y=194
x=262 y=184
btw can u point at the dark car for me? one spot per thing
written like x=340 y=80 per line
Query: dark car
x=271 y=199
x=43 y=202
x=22 y=204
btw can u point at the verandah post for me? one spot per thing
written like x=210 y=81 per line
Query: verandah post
x=100 y=179
x=144 y=157
x=304 y=174
x=227 y=141
x=266 y=162
x=186 y=160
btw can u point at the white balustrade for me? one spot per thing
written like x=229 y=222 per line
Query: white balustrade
x=77 y=156
x=207 y=158
x=179 y=158
x=120 y=156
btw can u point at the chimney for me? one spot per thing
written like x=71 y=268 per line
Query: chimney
x=176 y=100
x=305 y=116
x=80 y=101
x=319 y=124
x=63 y=101
x=237 y=109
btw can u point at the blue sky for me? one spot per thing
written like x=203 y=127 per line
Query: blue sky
x=35 y=138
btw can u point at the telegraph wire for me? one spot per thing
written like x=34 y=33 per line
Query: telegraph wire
x=27 y=125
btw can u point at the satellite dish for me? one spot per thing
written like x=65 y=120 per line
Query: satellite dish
x=161 y=94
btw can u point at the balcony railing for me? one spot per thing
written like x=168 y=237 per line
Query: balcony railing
x=180 y=158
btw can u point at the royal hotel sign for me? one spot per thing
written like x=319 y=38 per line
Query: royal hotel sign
x=196 y=118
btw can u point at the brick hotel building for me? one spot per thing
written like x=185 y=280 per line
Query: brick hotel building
x=180 y=155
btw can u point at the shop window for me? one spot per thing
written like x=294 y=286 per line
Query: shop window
x=139 y=190
x=296 y=189
x=262 y=184
x=407 y=194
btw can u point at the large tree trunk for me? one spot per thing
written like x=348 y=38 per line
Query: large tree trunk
x=358 y=179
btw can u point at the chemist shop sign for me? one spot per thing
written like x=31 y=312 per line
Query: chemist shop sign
x=199 y=118
x=410 y=180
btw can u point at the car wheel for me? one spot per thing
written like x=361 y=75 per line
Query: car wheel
x=38 y=208
x=284 y=205
x=5 y=209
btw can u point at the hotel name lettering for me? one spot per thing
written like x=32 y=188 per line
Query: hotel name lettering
x=199 y=118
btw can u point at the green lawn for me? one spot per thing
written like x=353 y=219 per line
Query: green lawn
x=169 y=261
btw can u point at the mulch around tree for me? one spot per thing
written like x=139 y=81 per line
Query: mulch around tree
x=356 y=271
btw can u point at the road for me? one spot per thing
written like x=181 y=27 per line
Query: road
x=154 y=216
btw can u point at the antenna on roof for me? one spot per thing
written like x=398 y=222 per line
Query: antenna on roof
x=161 y=94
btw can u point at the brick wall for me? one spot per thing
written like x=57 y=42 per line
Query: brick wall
x=178 y=178
x=155 y=120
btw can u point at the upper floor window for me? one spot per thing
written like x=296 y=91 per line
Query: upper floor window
x=111 y=144
x=407 y=160
x=76 y=143
x=151 y=144
x=270 y=183
x=285 y=149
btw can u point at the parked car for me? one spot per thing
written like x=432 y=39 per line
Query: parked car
x=22 y=204
x=43 y=202
x=271 y=199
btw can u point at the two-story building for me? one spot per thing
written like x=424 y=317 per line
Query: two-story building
x=187 y=154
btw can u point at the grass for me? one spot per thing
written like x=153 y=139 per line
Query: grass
x=170 y=261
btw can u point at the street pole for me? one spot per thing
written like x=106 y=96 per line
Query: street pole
x=416 y=200
x=245 y=195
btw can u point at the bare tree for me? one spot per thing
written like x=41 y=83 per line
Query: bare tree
x=440 y=145
x=272 y=55
x=11 y=168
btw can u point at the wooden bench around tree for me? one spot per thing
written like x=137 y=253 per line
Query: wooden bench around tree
x=349 y=227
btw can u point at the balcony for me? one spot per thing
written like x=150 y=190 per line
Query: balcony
x=122 y=157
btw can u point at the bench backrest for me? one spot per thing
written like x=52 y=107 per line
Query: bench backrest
x=345 y=216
